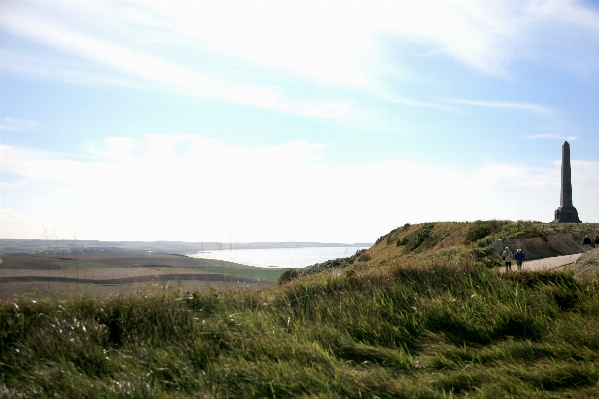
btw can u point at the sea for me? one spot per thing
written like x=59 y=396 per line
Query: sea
x=279 y=257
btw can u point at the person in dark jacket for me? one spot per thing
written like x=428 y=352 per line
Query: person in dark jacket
x=586 y=242
x=596 y=241
x=519 y=256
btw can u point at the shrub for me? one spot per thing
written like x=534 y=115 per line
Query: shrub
x=393 y=234
x=523 y=229
x=364 y=258
x=416 y=238
x=481 y=229
x=288 y=275
x=481 y=252
x=358 y=253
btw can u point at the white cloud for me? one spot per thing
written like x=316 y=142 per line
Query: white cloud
x=17 y=225
x=551 y=136
x=57 y=68
x=160 y=70
x=507 y=105
x=340 y=42
x=184 y=186
x=19 y=125
x=203 y=47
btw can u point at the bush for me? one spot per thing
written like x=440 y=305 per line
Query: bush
x=288 y=275
x=416 y=238
x=522 y=229
x=481 y=229
x=358 y=253
x=393 y=234
x=481 y=252
x=364 y=258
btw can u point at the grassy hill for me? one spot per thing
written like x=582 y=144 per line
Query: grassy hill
x=480 y=240
x=421 y=319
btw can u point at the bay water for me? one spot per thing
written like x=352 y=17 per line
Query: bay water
x=279 y=257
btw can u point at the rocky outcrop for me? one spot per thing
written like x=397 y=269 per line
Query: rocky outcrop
x=561 y=243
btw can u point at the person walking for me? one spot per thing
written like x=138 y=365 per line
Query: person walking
x=586 y=242
x=507 y=257
x=596 y=241
x=519 y=256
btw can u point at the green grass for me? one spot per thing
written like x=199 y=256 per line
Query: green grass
x=77 y=265
x=426 y=330
x=260 y=274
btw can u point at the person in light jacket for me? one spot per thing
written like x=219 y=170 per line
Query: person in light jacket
x=519 y=256
x=507 y=257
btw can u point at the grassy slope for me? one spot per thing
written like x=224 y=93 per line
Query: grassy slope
x=415 y=326
x=444 y=240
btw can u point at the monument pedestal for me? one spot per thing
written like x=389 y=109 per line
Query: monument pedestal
x=566 y=214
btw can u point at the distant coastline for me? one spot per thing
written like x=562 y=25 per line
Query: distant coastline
x=40 y=246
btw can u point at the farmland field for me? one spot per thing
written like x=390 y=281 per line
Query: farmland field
x=104 y=274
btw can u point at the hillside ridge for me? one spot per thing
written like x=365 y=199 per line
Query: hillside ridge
x=482 y=240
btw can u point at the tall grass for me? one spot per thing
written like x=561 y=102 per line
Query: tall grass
x=427 y=330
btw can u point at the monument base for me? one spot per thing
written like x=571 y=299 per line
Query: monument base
x=567 y=214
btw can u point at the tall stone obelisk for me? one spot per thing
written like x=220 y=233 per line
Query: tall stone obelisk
x=566 y=213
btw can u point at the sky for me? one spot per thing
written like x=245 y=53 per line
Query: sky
x=291 y=121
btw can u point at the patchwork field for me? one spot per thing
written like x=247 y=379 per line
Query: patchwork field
x=100 y=274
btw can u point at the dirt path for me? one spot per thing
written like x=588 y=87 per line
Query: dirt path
x=549 y=263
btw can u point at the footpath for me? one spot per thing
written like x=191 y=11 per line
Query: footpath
x=549 y=263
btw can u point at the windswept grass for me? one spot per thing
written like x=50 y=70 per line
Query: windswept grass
x=427 y=330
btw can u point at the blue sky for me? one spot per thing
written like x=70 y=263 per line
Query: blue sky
x=291 y=121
